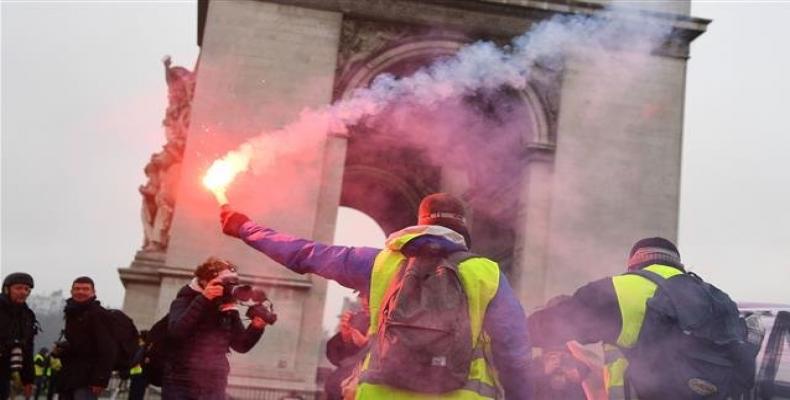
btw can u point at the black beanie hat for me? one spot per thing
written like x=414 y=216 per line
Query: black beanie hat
x=445 y=210
x=653 y=250
x=16 y=278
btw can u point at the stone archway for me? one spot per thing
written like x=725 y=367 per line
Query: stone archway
x=385 y=176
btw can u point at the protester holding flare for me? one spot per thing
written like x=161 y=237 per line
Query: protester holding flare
x=496 y=345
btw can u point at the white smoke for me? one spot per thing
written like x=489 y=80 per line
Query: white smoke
x=614 y=41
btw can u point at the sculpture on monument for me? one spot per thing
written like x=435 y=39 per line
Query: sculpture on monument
x=164 y=167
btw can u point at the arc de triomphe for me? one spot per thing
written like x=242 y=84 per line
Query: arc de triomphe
x=579 y=190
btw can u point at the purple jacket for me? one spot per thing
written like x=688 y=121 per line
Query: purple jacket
x=505 y=321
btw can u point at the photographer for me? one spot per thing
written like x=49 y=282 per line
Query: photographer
x=17 y=327
x=204 y=324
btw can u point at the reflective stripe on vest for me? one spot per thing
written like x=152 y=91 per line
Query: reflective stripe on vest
x=614 y=373
x=136 y=370
x=632 y=292
x=480 y=281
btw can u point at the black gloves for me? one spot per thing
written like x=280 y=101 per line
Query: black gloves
x=231 y=221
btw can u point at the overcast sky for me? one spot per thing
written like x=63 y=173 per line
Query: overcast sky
x=83 y=96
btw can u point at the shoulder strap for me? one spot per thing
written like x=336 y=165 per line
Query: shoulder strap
x=659 y=280
x=458 y=257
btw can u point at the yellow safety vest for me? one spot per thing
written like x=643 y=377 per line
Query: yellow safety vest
x=55 y=364
x=480 y=280
x=632 y=292
x=38 y=369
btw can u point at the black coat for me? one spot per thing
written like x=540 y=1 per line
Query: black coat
x=202 y=337
x=17 y=322
x=88 y=360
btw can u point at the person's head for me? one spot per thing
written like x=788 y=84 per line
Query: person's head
x=43 y=351
x=444 y=210
x=653 y=250
x=214 y=267
x=82 y=289
x=17 y=287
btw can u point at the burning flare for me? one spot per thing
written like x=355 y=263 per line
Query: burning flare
x=223 y=171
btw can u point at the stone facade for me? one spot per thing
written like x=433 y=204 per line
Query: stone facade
x=583 y=189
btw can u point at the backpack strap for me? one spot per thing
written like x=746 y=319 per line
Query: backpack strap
x=659 y=280
x=458 y=257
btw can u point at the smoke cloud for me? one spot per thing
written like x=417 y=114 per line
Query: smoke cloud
x=432 y=106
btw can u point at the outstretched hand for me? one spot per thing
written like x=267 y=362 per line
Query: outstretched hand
x=231 y=221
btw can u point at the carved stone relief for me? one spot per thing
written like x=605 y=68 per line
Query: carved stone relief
x=164 y=167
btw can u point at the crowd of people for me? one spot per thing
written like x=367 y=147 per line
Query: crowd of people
x=437 y=321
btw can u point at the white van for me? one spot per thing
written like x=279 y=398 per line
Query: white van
x=773 y=361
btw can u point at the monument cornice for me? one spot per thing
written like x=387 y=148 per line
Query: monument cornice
x=502 y=18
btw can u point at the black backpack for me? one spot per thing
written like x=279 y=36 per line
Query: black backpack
x=156 y=352
x=424 y=340
x=126 y=336
x=692 y=344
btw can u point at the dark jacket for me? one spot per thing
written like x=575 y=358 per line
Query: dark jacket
x=591 y=315
x=89 y=357
x=202 y=336
x=17 y=322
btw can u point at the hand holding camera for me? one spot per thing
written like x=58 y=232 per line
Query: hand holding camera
x=213 y=289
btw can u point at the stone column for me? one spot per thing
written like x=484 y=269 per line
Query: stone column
x=260 y=65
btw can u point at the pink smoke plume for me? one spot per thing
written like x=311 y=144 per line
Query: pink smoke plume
x=618 y=39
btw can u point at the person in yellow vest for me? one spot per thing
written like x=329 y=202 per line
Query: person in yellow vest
x=40 y=368
x=499 y=348
x=609 y=310
x=137 y=379
x=53 y=372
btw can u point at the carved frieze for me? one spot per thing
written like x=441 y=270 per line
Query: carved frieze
x=164 y=167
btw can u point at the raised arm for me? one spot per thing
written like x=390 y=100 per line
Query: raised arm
x=184 y=315
x=348 y=266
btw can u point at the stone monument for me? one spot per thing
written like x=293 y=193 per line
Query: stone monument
x=579 y=189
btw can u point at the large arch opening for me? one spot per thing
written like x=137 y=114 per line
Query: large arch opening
x=474 y=146
x=352 y=228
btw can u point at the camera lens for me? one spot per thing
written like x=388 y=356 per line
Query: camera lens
x=242 y=292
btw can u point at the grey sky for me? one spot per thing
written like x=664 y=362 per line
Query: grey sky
x=83 y=95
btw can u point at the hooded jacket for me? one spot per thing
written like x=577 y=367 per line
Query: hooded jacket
x=505 y=321
x=202 y=336
x=88 y=360
x=17 y=322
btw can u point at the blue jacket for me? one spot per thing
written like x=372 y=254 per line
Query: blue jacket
x=505 y=321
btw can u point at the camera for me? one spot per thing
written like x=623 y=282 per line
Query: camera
x=265 y=310
x=15 y=356
x=259 y=305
